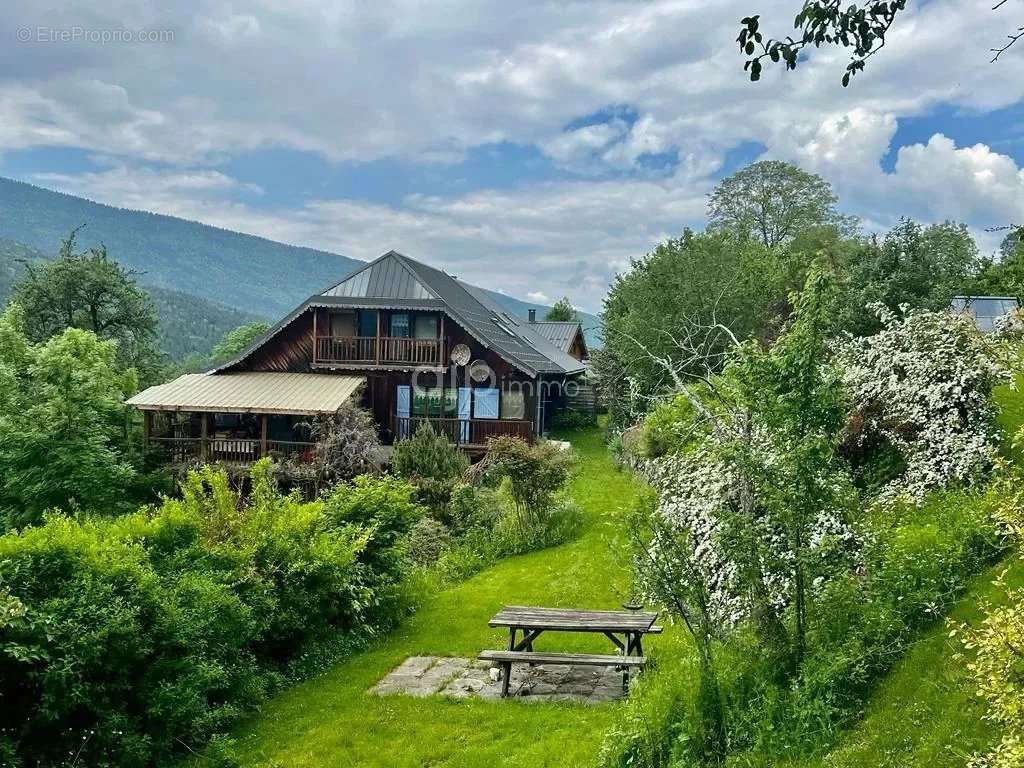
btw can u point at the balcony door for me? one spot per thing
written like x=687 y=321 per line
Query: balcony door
x=399 y=325
x=343 y=324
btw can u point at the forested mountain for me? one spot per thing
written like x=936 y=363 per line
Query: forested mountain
x=189 y=325
x=256 y=276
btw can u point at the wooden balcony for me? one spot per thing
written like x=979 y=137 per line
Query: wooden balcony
x=464 y=432
x=377 y=350
x=229 y=450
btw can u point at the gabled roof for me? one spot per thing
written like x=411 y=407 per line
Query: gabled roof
x=388 y=277
x=561 y=333
x=395 y=281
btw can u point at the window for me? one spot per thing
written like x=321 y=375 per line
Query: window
x=426 y=326
x=400 y=325
x=485 y=403
x=513 y=404
x=435 y=402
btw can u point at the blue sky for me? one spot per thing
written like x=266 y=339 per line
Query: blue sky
x=534 y=148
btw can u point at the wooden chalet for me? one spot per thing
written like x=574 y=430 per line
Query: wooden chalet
x=408 y=342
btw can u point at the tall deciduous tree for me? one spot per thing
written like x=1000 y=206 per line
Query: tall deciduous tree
x=62 y=423
x=563 y=311
x=774 y=202
x=91 y=291
x=921 y=267
x=696 y=279
x=237 y=339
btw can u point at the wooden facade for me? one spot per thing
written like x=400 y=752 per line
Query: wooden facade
x=391 y=328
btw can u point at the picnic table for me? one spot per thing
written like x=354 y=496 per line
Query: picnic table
x=625 y=629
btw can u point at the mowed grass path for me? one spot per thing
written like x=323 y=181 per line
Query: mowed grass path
x=331 y=720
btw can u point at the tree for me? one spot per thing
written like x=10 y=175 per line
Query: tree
x=914 y=266
x=698 y=278
x=752 y=511
x=562 y=311
x=63 y=423
x=774 y=202
x=237 y=339
x=1003 y=276
x=91 y=291
x=827 y=22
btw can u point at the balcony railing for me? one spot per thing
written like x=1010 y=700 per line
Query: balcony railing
x=464 y=431
x=230 y=450
x=378 y=350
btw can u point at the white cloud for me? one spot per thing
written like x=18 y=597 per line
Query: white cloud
x=359 y=81
x=538 y=297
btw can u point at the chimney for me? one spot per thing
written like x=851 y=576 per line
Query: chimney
x=533 y=315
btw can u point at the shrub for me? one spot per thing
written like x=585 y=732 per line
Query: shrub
x=428 y=540
x=384 y=506
x=923 y=384
x=669 y=428
x=126 y=641
x=562 y=521
x=347 y=445
x=473 y=508
x=431 y=463
x=571 y=418
x=532 y=479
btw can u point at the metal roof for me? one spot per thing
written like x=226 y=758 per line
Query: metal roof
x=558 y=332
x=382 y=278
x=394 y=281
x=251 y=392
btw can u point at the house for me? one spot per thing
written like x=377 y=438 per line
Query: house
x=408 y=342
x=985 y=310
x=566 y=335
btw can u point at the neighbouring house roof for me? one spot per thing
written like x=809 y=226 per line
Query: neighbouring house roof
x=395 y=281
x=251 y=392
x=561 y=333
x=985 y=309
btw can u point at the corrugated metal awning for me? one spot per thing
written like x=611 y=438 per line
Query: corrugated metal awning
x=251 y=392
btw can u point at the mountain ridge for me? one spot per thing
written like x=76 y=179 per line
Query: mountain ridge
x=252 y=274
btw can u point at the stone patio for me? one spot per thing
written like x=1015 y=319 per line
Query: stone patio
x=463 y=678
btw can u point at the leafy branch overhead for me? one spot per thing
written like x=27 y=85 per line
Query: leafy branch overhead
x=826 y=22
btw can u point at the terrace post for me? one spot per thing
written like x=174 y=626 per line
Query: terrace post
x=147 y=427
x=263 y=435
x=376 y=347
x=203 y=432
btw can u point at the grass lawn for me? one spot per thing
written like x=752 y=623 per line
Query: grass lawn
x=330 y=720
x=924 y=712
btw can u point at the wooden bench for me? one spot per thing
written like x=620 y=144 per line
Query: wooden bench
x=507 y=658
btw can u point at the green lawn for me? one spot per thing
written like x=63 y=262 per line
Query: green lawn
x=924 y=712
x=331 y=720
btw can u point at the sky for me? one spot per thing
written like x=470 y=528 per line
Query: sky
x=531 y=147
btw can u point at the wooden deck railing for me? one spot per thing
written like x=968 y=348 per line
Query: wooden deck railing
x=231 y=450
x=378 y=350
x=464 y=431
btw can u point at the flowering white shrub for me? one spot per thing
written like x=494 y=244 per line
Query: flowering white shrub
x=924 y=384
x=697 y=492
x=692 y=488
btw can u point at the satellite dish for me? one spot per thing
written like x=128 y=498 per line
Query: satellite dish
x=460 y=354
x=479 y=371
